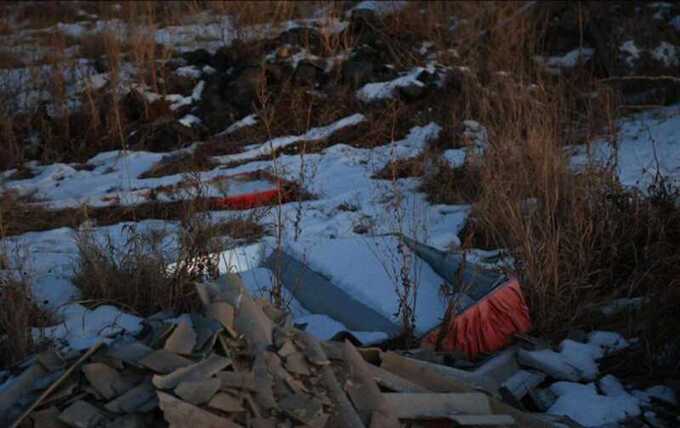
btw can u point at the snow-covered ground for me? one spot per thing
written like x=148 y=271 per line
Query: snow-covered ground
x=647 y=146
x=339 y=175
x=325 y=237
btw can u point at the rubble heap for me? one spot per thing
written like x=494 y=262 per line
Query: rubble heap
x=242 y=363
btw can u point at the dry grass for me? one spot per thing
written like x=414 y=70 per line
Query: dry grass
x=185 y=163
x=10 y=60
x=452 y=186
x=18 y=314
x=11 y=154
x=91 y=46
x=576 y=237
x=146 y=274
x=135 y=277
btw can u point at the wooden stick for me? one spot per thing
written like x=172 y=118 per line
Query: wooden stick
x=56 y=384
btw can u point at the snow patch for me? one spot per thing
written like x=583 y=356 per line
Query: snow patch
x=667 y=54
x=381 y=7
x=188 y=71
x=189 y=120
x=82 y=328
x=571 y=59
x=368 y=270
x=647 y=145
x=583 y=404
x=249 y=120
x=454 y=157
x=630 y=51
x=313 y=134
x=380 y=91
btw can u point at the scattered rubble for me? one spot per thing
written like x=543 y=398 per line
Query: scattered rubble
x=242 y=363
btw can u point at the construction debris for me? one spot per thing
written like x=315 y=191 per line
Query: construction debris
x=241 y=364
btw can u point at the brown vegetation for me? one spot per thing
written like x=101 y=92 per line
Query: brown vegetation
x=19 y=313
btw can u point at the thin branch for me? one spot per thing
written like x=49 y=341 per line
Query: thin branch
x=637 y=77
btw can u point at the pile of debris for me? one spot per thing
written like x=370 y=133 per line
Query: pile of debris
x=243 y=363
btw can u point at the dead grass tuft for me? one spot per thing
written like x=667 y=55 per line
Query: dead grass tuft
x=92 y=45
x=10 y=60
x=402 y=168
x=146 y=274
x=446 y=185
x=18 y=314
x=135 y=276
x=184 y=163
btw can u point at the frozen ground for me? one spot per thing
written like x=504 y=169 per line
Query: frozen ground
x=647 y=147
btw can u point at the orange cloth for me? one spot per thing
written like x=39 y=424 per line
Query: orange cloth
x=488 y=325
x=248 y=200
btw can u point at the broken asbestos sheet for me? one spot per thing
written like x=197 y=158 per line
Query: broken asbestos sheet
x=239 y=363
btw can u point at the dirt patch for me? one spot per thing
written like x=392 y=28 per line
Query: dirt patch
x=19 y=313
x=451 y=186
x=402 y=168
x=184 y=163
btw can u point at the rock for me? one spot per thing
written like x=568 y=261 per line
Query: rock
x=412 y=92
x=224 y=57
x=134 y=105
x=549 y=362
x=357 y=72
x=627 y=41
x=162 y=135
x=364 y=17
x=301 y=407
x=180 y=414
x=139 y=398
x=182 y=340
x=105 y=380
x=296 y=363
x=198 y=57
x=278 y=72
x=214 y=107
x=243 y=91
x=199 y=371
x=238 y=54
x=162 y=361
x=128 y=421
x=177 y=84
x=82 y=415
x=284 y=52
x=226 y=403
x=307 y=74
x=305 y=37
x=224 y=313
x=47 y=418
x=238 y=380
x=198 y=392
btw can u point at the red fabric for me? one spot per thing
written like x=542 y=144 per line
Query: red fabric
x=247 y=200
x=488 y=325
